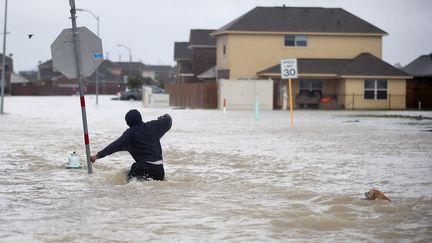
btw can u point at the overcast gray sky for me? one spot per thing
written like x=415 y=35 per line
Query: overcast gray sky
x=150 y=28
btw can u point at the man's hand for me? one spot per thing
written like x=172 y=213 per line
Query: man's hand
x=164 y=116
x=93 y=158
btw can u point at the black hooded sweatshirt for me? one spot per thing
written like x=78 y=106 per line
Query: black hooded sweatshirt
x=141 y=139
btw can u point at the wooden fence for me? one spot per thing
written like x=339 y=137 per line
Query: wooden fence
x=193 y=95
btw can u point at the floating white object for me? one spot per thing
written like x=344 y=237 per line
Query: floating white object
x=73 y=161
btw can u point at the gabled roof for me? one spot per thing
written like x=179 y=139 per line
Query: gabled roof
x=420 y=67
x=201 y=37
x=208 y=74
x=180 y=51
x=367 y=64
x=158 y=68
x=364 y=64
x=131 y=65
x=302 y=20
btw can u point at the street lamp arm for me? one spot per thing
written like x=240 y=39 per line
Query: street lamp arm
x=88 y=11
x=128 y=48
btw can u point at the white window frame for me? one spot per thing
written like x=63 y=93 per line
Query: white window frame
x=297 y=39
x=375 y=89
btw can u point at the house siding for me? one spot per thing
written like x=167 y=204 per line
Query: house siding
x=249 y=53
x=354 y=92
x=222 y=60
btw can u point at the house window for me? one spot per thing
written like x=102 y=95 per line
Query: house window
x=296 y=40
x=375 y=89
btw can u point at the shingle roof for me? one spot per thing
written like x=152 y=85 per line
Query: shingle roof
x=369 y=65
x=208 y=74
x=200 y=37
x=158 y=68
x=300 y=19
x=131 y=65
x=181 y=51
x=420 y=67
x=364 y=64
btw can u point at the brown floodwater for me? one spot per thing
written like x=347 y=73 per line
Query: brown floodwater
x=229 y=177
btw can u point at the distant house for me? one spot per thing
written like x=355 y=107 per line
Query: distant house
x=196 y=58
x=339 y=57
x=162 y=74
x=31 y=75
x=419 y=88
x=8 y=71
x=51 y=82
x=184 y=72
x=130 y=68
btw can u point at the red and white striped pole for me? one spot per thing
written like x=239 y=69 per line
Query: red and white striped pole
x=80 y=83
x=224 y=105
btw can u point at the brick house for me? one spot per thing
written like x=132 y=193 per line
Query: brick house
x=52 y=82
x=9 y=70
x=196 y=57
x=419 y=88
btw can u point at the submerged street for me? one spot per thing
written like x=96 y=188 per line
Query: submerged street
x=229 y=177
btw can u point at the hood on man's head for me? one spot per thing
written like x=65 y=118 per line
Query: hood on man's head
x=133 y=118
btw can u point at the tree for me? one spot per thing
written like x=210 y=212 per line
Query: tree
x=136 y=82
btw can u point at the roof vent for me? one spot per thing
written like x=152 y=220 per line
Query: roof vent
x=284 y=6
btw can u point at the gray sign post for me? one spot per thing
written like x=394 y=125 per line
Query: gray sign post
x=86 y=48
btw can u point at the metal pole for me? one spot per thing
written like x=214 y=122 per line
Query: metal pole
x=3 y=81
x=130 y=62
x=389 y=98
x=81 y=85
x=97 y=69
x=130 y=57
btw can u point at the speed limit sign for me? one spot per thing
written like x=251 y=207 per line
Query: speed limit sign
x=289 y=68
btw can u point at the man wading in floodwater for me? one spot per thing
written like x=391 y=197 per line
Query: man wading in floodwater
x=141 y=140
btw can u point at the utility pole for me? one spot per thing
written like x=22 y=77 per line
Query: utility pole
x=3 y=81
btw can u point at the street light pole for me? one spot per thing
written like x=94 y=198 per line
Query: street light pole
x=97 y=69
x=3 y=60
x=130 y=57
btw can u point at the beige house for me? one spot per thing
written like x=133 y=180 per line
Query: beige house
x=339 y=57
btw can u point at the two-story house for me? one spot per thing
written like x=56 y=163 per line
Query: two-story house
x=338 y=54
x=197 y=58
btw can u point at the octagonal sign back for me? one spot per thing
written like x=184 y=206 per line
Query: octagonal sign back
x=90 y=52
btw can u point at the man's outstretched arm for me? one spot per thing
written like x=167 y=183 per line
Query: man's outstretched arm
x=119 y=144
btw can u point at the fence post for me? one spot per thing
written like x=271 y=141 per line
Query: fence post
x=353 y=101
x=389 y=98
